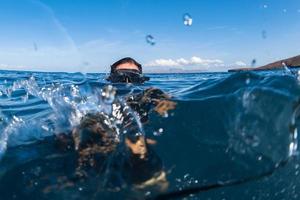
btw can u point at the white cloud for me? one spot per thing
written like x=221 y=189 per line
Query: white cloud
x=240 y=64
x=181 y=62
x=163 y=63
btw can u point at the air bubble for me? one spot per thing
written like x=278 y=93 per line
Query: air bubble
x=159 y=132
x=148 y=193
x=187 y=19
x=186 y=176
x=247 y=81
x=150 y=40
x=259 y=158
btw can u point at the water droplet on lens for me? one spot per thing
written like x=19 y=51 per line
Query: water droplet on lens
x=253 y=62
x=187 y=19
x=264 y=34
x=85 y=63
x=150 y=40
x=35 y=47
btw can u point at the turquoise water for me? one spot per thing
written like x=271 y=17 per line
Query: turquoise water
x=227 y=128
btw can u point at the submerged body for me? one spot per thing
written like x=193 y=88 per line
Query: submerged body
x=222 y=125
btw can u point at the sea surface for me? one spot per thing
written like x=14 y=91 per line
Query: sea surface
x=231 y=136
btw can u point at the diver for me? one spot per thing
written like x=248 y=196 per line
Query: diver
x=99 y=144
x=128 y=70
x=92 y=137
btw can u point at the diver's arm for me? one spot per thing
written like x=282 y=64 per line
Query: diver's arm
x=150 y=99
x=160 y=100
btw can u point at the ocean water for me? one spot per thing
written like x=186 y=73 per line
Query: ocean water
x=231 y=136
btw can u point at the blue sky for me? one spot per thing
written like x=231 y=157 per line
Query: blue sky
x=88 y=36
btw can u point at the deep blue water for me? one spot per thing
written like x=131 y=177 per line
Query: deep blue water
x=226 y=127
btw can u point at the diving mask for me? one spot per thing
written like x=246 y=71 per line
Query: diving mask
x=127 y=76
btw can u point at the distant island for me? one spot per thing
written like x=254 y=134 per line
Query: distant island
x=173 y=71
x=289 y=62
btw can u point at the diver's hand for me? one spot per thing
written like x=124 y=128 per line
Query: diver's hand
x=163 y=106
x=150 y=141
x=155 y=93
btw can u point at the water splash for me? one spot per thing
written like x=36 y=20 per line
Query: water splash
x=293 y=147
x=287 y=70
x=68 y=103
x=10 y=128
x=187 y=19
x=150 y=40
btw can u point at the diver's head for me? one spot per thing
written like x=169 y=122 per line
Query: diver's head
x=127 y=70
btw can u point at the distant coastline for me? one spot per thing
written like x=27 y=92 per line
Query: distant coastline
x=293 y=62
